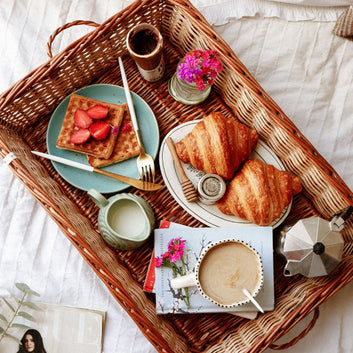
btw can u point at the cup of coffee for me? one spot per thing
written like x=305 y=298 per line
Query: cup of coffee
x=145 y=44
x=223 y=270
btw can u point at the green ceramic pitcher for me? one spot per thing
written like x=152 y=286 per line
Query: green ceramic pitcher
x=125 y=220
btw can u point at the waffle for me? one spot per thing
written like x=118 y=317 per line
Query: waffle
x=125 y=147
x=103 y=148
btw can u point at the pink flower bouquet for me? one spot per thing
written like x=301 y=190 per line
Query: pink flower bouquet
x=173 y=258
x=201 y=67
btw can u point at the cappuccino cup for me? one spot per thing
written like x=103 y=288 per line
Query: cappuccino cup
x=224 y=269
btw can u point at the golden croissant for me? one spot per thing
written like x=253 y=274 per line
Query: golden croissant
x=217 y=145
x=259 y=193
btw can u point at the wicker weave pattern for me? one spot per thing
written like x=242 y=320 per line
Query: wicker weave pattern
x=25 y=110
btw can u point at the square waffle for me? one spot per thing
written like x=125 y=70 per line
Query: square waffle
x=125 y=147
x=103 y=148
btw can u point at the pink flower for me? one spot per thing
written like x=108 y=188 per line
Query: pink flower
x=176 y=245
x=176 y=249
x=115 y=129
x=158 y=261
x=175 y=252
x=201 y=67
x=169 y=258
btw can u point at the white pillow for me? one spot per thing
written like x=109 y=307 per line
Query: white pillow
x=317 y=2
x=219 y=12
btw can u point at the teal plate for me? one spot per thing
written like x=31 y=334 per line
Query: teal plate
x=84 y=180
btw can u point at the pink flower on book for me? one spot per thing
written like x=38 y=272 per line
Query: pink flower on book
x=158 y=261
x=176 y=249
x=173 y=258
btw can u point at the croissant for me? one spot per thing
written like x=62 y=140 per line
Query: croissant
x=217 y=145
x=259 y=193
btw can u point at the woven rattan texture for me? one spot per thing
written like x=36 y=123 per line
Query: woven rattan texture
x=25 y=110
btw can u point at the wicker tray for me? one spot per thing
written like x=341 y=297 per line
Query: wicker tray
x=26 y=108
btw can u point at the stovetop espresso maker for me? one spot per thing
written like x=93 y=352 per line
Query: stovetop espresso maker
x=312 y=246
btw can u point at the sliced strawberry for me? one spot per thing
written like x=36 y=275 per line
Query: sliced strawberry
x=82 y=119
x=98 y=112
x=80 y=136
x=100 y=130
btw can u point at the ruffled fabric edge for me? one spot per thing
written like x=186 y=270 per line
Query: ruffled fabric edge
x=219 y=12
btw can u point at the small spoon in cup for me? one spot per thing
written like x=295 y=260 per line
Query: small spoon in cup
x=252 y=299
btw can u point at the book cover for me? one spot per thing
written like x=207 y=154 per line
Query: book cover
x=60 y=328
x=168 y=300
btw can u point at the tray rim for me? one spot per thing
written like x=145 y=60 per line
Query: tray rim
x=17 y=89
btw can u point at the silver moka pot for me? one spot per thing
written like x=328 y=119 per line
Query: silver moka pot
x=313 y=246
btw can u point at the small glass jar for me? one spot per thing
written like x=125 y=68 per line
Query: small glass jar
x=185 y=92
x=211 y=188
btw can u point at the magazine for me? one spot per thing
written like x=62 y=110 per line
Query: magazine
x=61 y=329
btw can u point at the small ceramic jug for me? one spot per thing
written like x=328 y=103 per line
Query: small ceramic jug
x=125 y=221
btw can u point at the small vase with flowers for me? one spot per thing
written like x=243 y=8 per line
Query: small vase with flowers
x=196 y=72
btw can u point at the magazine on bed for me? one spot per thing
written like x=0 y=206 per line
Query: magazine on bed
x=56 y=328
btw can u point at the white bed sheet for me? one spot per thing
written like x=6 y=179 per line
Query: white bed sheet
x=302 y=66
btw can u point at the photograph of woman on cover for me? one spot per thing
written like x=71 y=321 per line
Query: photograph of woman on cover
x=32 y=342
x=55 y=329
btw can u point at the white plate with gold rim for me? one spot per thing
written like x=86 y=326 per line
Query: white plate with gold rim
x=209 y=215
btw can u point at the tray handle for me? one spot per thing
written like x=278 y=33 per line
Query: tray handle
x=300 y=336
x=66 y=26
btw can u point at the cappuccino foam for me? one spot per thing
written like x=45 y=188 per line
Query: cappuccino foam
x=226 y=269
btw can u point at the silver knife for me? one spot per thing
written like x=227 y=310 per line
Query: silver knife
x=139 y=184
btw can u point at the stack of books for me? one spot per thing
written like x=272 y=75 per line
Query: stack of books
x=168 y=300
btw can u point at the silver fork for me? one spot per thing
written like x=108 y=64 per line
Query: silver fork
x=145 y=162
